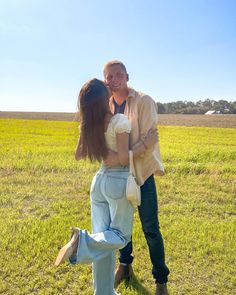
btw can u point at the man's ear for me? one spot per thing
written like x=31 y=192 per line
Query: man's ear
x=127 y=77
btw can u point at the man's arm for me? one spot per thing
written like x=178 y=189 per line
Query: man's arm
x=139 y=148
x=147 y=118
x=147 y=142
x=147 y=115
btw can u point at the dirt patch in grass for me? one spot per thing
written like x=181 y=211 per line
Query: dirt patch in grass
x=51 y=116
x=222 y=121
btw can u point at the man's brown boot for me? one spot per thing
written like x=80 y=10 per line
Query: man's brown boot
x=161 y=289
x=124 y=272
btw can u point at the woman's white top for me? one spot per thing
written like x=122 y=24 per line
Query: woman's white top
x=119 y=123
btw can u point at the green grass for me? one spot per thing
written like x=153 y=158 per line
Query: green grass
x=44 y=191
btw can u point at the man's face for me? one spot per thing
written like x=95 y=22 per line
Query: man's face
x=116 y=78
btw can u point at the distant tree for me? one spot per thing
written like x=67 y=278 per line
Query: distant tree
x=161 y=108
x=200 y=107
x=232 y=107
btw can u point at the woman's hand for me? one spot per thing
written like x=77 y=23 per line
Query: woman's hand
x=111 y=159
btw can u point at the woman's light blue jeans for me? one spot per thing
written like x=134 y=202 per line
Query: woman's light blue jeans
x=112 y=218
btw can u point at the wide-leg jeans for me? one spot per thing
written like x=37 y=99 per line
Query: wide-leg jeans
x=112 y=218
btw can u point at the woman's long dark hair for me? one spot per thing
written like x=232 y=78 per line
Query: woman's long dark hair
x=93 y=106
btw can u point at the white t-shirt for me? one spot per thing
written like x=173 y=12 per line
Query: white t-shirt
x=119 y=123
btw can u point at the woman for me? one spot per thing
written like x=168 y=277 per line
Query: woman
x=112 y=214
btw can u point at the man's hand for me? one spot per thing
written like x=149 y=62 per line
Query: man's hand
x=111 y=160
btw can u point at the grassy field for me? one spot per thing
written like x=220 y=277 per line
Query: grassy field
x=44 y=191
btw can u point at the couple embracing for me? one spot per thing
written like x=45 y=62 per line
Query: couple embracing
x=115 y=119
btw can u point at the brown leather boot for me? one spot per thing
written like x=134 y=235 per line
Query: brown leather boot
x=124 y=272
x=161 y=289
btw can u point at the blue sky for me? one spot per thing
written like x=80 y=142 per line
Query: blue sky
x=173 y=49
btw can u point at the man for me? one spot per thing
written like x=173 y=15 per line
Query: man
x=142 y=113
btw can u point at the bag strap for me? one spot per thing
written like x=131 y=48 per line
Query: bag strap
x=131 y=164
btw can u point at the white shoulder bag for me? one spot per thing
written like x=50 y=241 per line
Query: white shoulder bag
x=133 y=192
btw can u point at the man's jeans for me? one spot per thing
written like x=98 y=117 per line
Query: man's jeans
x=149 y=219
x=112 y=218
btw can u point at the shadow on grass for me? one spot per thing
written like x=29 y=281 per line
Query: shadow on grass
x=136 y=285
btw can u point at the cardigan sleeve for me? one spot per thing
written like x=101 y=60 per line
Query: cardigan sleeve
x=147 y=115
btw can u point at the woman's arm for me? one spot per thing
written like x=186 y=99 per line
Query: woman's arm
x=121 y=157
x=122 y=140
x=113 y=159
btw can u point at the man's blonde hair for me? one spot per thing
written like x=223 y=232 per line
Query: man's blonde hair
x=113 y=63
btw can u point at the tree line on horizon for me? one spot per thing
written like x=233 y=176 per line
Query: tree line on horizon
x=199 y=107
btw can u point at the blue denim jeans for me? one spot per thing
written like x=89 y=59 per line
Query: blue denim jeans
x=112 y=218
x=150 y=225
